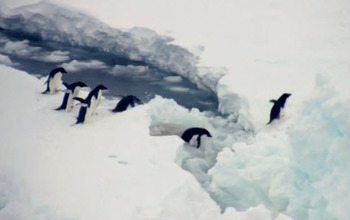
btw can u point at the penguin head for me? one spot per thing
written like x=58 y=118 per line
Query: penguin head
x=80 y=84
x=285 y=96
x=61 y=69
x=101 y=87
x=57 y=70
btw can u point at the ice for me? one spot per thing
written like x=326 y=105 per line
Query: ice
x=173 y=79
x=75 y=65
x=20 y=48
x=288 y=166
x=56 y=23
x=54 y=57
x=5 y=60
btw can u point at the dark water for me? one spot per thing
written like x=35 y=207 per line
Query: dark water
x=127 y=80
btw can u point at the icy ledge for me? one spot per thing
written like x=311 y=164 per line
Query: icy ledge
x=51 y=22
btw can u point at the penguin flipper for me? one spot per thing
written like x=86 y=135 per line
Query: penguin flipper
x=199 y=141
x=79 y=99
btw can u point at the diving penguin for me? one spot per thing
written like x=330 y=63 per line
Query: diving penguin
x=54 y=79
x=194 y=134
x=72 y=91
x=127 y=102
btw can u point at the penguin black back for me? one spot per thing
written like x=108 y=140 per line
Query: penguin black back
x=82 y=114
x=83 y=109
x=94 y=92
x=69 y=92
x=57 y=70
x=75 y=85
x=278 y=105
x=125 y=102
x=51 y=76
x=64 y=102
x=189 y=133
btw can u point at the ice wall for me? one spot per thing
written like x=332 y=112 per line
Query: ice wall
x=49 y=22
x=298 y=166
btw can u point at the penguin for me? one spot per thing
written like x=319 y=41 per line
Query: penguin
x=126 y=102
x=84 y=114
x=53 y=80
x=193 y=134
x=95 y=97
x=71 y=92
x=278 y=106
x=89 y=104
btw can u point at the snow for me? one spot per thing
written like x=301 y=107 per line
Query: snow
x=5 y=60
x=99 y=170
x=248 y=52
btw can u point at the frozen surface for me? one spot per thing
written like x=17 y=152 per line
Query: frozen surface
x=296 y=167
x=49 y=22
x=99 y=170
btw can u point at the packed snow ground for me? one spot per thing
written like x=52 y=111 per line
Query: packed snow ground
x=111 y=167
x=108 y=168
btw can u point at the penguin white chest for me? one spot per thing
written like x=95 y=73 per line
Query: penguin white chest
x=95 y=102
x=99 y=95
x=193 y=140
x=55 y=82
x=72 y=95
x=69 y=102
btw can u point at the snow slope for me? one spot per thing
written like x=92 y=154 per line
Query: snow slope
x=108 y=168
x=100 y=170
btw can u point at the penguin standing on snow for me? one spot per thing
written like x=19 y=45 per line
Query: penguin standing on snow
x=89 y=104
x=194 y=134
x=72 y=91
x=126 y=102
x=54 y=80
x=84 y=114
x=95 y=97
x=278 y=106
